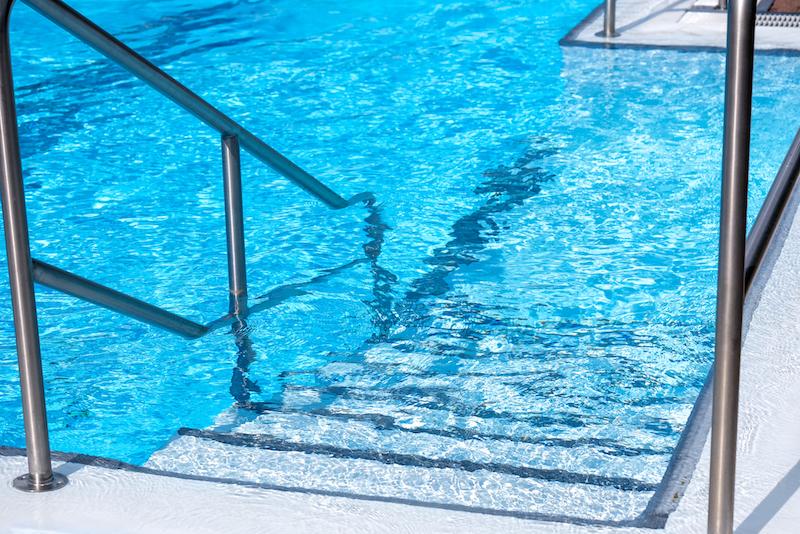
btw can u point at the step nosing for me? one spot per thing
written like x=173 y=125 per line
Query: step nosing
x=388 y=423
x=266 y=442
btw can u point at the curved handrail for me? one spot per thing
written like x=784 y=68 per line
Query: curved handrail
x=82 y=28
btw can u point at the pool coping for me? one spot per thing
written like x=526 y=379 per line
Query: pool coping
x=576 y=37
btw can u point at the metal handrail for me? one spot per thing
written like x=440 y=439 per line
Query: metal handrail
x=23 y=270
x=769 y=216
x=731 y=270
x=91 y=34
x=79 y=287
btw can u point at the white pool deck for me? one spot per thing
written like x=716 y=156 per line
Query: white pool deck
x=674 y=24
x=101 y=500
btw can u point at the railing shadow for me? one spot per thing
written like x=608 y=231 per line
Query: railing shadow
x=650 y=16
x=769 y=507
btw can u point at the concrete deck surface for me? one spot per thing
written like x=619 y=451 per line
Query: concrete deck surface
x=674 y=24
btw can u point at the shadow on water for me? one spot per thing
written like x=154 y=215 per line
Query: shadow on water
x=381 y=305
x=242 y=387
x=505 y=188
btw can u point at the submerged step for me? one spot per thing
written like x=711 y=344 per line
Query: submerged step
x=411 y=400
x=392 y=417
x=268 y=442
x=255 y=459
x=529 y=402
x=380 y=434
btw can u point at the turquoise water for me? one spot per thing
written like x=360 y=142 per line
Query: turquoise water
x=541 y=262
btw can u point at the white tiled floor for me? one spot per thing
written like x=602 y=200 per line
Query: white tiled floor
x=671 y=23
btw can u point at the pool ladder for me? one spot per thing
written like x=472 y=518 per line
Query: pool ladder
x=24 y=270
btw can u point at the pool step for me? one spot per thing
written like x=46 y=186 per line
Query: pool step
x=518 y=399
x=553 y=459
x=436 y=461
x=590 y=445
x=413 y=478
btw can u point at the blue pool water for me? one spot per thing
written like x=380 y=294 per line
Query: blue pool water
x=540 y=264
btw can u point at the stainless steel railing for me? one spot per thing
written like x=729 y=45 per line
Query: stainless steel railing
x=79 y=287
x=760 y=236
x=24 y=270
x=609 y=20
x=731 y=271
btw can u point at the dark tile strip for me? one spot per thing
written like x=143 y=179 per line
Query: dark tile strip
x=387 y=422
x=262 y=441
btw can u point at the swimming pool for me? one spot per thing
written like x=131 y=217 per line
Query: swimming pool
x=531 y=300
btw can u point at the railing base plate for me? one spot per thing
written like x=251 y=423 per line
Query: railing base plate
x=26 y=483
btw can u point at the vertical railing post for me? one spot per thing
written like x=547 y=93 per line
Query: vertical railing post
x=730 y=278
x=40 y=476
x=234 y=225
x=609 y=20
x=723 y=5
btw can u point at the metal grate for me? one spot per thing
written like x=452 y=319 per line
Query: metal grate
x=783 y=20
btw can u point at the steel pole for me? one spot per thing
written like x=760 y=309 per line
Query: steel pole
x=234 y=225
x=108 y=298
x=731 y=273
x=609 y=20
x=40 y=476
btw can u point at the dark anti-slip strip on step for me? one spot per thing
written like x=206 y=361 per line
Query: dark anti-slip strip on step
x=383 y=422
x=266 y=442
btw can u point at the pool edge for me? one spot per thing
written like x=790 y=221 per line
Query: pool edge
x=688 y=451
